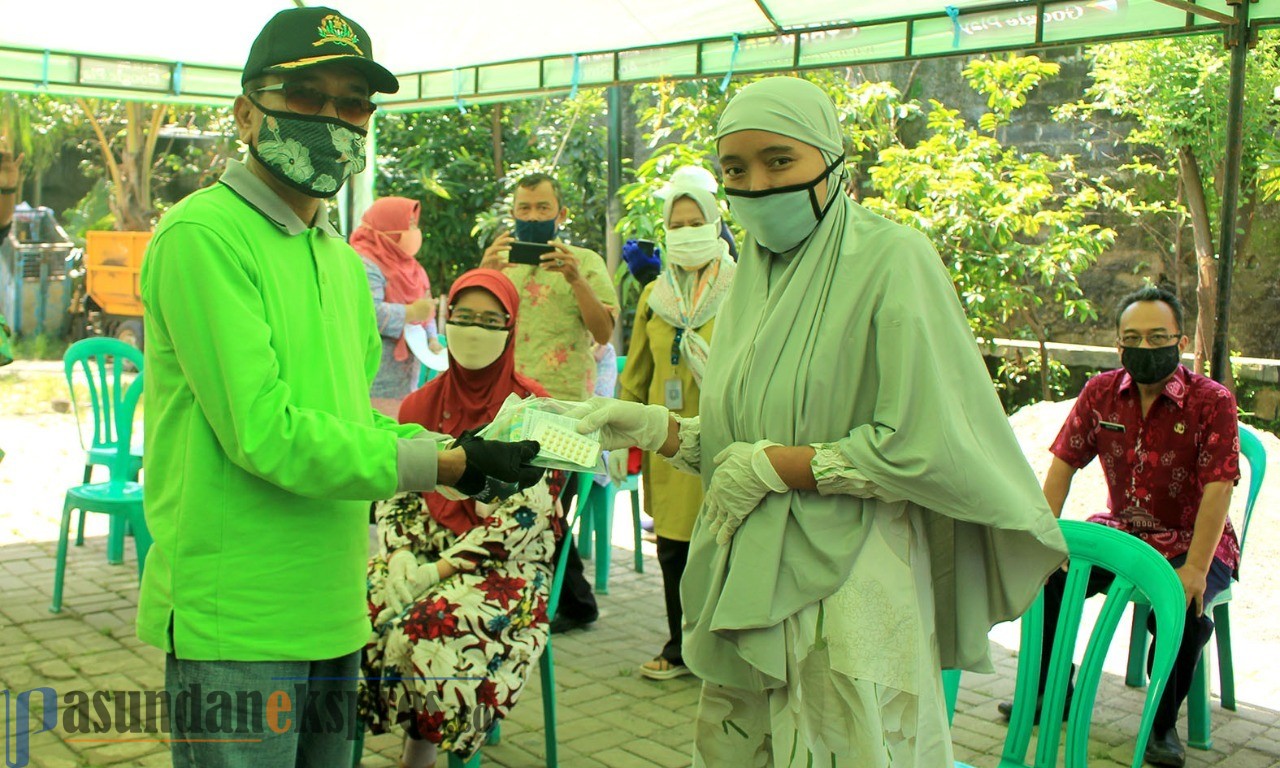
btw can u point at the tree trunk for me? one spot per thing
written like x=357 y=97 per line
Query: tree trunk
x=495 y=128
x=1178 y=223
x=1045 y=394
x=130 y=173
x=1206 y=261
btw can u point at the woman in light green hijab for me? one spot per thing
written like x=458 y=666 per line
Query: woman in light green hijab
x=868 y=514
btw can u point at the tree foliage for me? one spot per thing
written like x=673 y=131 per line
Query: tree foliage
x=1015 y=228
x=1175 y=92
x=461 y=166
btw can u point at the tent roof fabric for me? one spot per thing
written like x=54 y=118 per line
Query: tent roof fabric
x=458 y=53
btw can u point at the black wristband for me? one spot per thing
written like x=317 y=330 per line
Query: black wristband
x=8 y=190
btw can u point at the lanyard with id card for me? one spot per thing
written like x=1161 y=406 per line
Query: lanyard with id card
x=673 y=394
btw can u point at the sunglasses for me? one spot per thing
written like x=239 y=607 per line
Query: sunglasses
x=308 y=100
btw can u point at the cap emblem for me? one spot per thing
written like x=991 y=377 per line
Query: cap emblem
x=335 y=29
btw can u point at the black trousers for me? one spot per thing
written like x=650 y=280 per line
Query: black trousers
x=672 y=556
x=1196 y=632
x=577 y=601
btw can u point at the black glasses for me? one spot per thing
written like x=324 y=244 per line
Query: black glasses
x=307 y=100
x=675 y=346
x=492 y=321
x=1157 y=339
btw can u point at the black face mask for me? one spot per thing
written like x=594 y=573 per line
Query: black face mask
x=1147 y=365
x=535 y=231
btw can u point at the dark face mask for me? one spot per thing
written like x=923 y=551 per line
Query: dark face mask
x=1147 y=365
x=535 y=231
x=313 y=154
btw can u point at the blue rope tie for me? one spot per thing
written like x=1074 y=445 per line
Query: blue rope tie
x=177 y=78
x=733 y=60
x=44 y=77
x=954 y=13
x=577 y=76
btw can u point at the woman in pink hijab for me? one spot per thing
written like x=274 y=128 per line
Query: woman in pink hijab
x=387 y=240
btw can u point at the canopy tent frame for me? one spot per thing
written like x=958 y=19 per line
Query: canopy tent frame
x=1009 y=25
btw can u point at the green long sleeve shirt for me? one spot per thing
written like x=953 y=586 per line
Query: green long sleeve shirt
x=262 y=451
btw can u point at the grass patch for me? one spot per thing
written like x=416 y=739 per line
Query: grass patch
x=42 y=347
x=27 y=394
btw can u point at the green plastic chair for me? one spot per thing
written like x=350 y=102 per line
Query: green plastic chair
x=596 y=502
x=546 y=667
x=597 y=524
x=1138 y=569
x=1199 y=731
x=120 y=496
x=103 y=363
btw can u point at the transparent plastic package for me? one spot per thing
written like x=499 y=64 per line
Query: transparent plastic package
x=543 y=419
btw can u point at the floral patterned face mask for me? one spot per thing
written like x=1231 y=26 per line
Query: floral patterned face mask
x=311 y=153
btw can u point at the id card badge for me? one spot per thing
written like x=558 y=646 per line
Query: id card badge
x=673 y=391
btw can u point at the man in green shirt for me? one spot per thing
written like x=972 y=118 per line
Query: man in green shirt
x=262 y=450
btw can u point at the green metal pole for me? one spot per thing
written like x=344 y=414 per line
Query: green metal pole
x=1238 y=38
x=613 y=241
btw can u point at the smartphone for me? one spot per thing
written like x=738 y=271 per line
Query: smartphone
x=528 y=253
x=646 y=247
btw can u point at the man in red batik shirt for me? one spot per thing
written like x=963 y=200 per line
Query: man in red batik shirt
x=1169 y=447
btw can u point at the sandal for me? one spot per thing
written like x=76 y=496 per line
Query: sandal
x=661 y=669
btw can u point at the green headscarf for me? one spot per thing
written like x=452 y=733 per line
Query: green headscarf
x=856 y=339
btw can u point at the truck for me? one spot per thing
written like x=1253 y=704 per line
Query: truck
x=112 y=301
x=36 y=284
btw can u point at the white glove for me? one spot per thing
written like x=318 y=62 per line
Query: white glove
x=623 y=424
x=405 y=582
x=617 y=463
x=742 y=478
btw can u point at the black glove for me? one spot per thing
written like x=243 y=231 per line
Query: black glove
x=490 y=460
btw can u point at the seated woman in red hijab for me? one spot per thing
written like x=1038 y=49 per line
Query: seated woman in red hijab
x=458 y=590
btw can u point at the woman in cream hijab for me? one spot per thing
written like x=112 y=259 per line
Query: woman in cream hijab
x=665 y=364
x=868 y=513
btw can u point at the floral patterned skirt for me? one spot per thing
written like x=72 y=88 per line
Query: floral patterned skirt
x=456 y=660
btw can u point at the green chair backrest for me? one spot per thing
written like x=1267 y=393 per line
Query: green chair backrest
x=1137 y=567
x=1253 y=452
x=121 y=465
x=101 y=361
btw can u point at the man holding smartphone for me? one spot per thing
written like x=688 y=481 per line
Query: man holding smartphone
x=566 y=303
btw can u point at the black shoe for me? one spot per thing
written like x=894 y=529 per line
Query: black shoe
x=1005 y=708
x=1166 y=749
x=562 y=624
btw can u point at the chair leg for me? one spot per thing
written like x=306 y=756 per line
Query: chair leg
x=88 y=475
x=357 y=751
x=950 y=691
x=604 y=537
x=1136 y=676
x=457 y=762
x=60 y=564
x=635 y=525
x=1198 y=729
x=586 y=529
x=1226 y=667
x=547 y=667
x=115 y=540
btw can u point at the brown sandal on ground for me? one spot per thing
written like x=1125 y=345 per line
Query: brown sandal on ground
x=661 y=669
